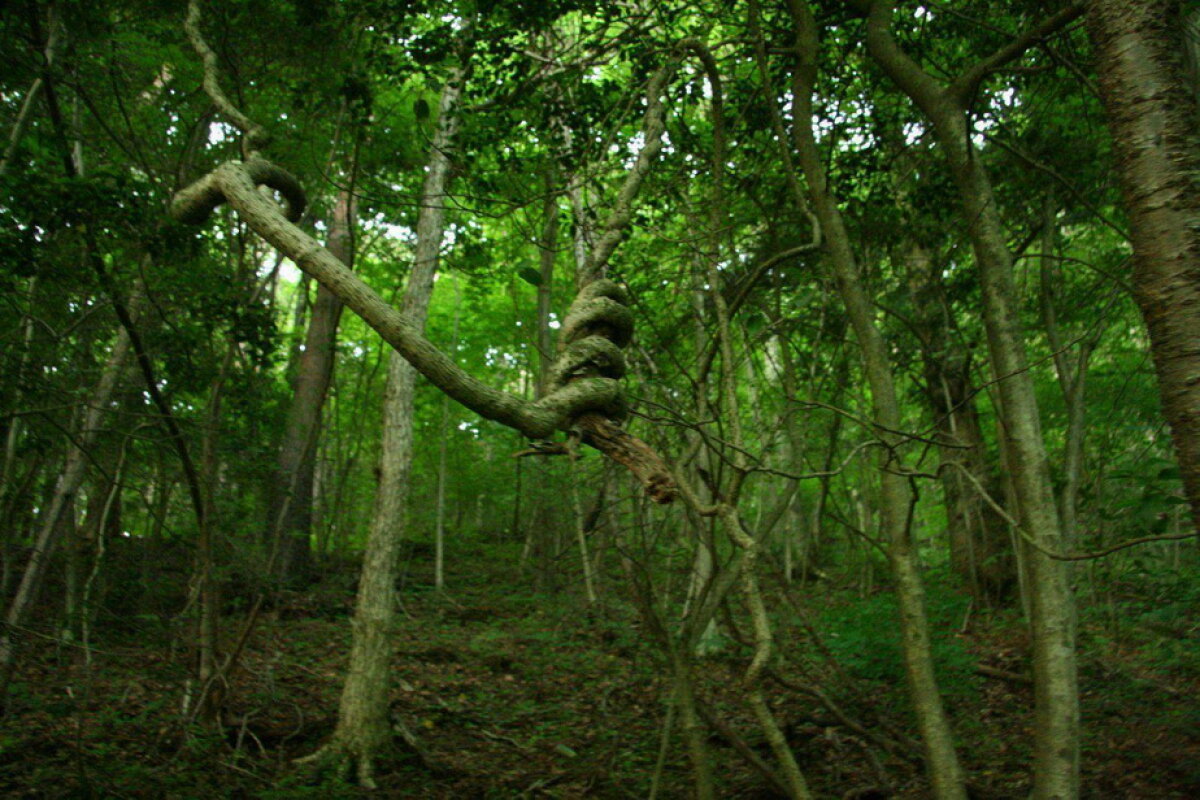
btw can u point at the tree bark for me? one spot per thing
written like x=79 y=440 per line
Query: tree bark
x=363 y=726
x=290 y=507
x=1151 y=105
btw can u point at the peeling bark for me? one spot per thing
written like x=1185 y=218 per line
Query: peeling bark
x=1152 y=112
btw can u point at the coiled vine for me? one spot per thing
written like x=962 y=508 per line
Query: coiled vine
x=586 y=397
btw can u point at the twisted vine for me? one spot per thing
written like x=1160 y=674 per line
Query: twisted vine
x=586 y=396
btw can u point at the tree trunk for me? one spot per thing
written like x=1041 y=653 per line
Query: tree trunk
x=542 y=527
x=980 y=550
x=545 y=289
x=25 y=115
x=1072 y=379
x=290 y=507
x=1152 y=114
x=945 y=773
x=65 y=490
x=363 y=726
x=439 y=542
x=11 y=495
x=1052 y=608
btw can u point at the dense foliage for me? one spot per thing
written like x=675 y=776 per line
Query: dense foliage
x=151 y=366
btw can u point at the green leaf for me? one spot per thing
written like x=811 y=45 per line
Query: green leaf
x=531 y=276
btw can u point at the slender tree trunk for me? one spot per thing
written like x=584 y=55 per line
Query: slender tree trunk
x=65 y=490
x=439 y=543
x=10 y=495
x=103 y=528
x=1052 y=607
x=1151 y=104
x=545 y=289
x=363 y=727
x=793 y=526
x=980 y=549
x=581 y=532
x=81 y=546
x=211 y=696
x=542 y=525
x=1072 y=379
x=694 y=734
x=945 y=773
x=290 y=507
x=730 y=412
x=25 y=115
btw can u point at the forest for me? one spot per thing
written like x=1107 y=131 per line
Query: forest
x=632 y=399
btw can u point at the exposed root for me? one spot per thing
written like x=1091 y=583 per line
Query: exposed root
x=344 y=759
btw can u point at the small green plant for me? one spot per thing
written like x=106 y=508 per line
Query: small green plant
x=864 y=637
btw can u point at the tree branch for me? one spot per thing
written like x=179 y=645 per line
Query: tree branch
x=256 y=136
x=965 y=85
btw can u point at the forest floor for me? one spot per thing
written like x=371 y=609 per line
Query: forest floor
x=517 y=694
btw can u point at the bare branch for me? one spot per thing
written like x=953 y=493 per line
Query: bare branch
x=257 y=137
x=965 y=86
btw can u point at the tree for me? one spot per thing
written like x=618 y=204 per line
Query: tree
x=289 y=521
x=1151 y=107
x=1056 y=760
x=850 y=293
x=364 y=726
x=944 y=770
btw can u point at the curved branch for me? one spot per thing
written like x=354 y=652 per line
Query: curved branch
x=194 y=204
x=587 y=399
x=965 y=86
x=653 y=126
x=236 y=183
x=256 y=135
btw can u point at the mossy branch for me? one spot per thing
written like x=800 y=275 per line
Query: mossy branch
x=587 y=398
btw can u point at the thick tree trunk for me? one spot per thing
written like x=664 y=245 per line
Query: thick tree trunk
x=363 y=727
x=289 y=520
x=1152 y=114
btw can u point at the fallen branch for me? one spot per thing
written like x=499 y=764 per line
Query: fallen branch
x=1004 y=675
